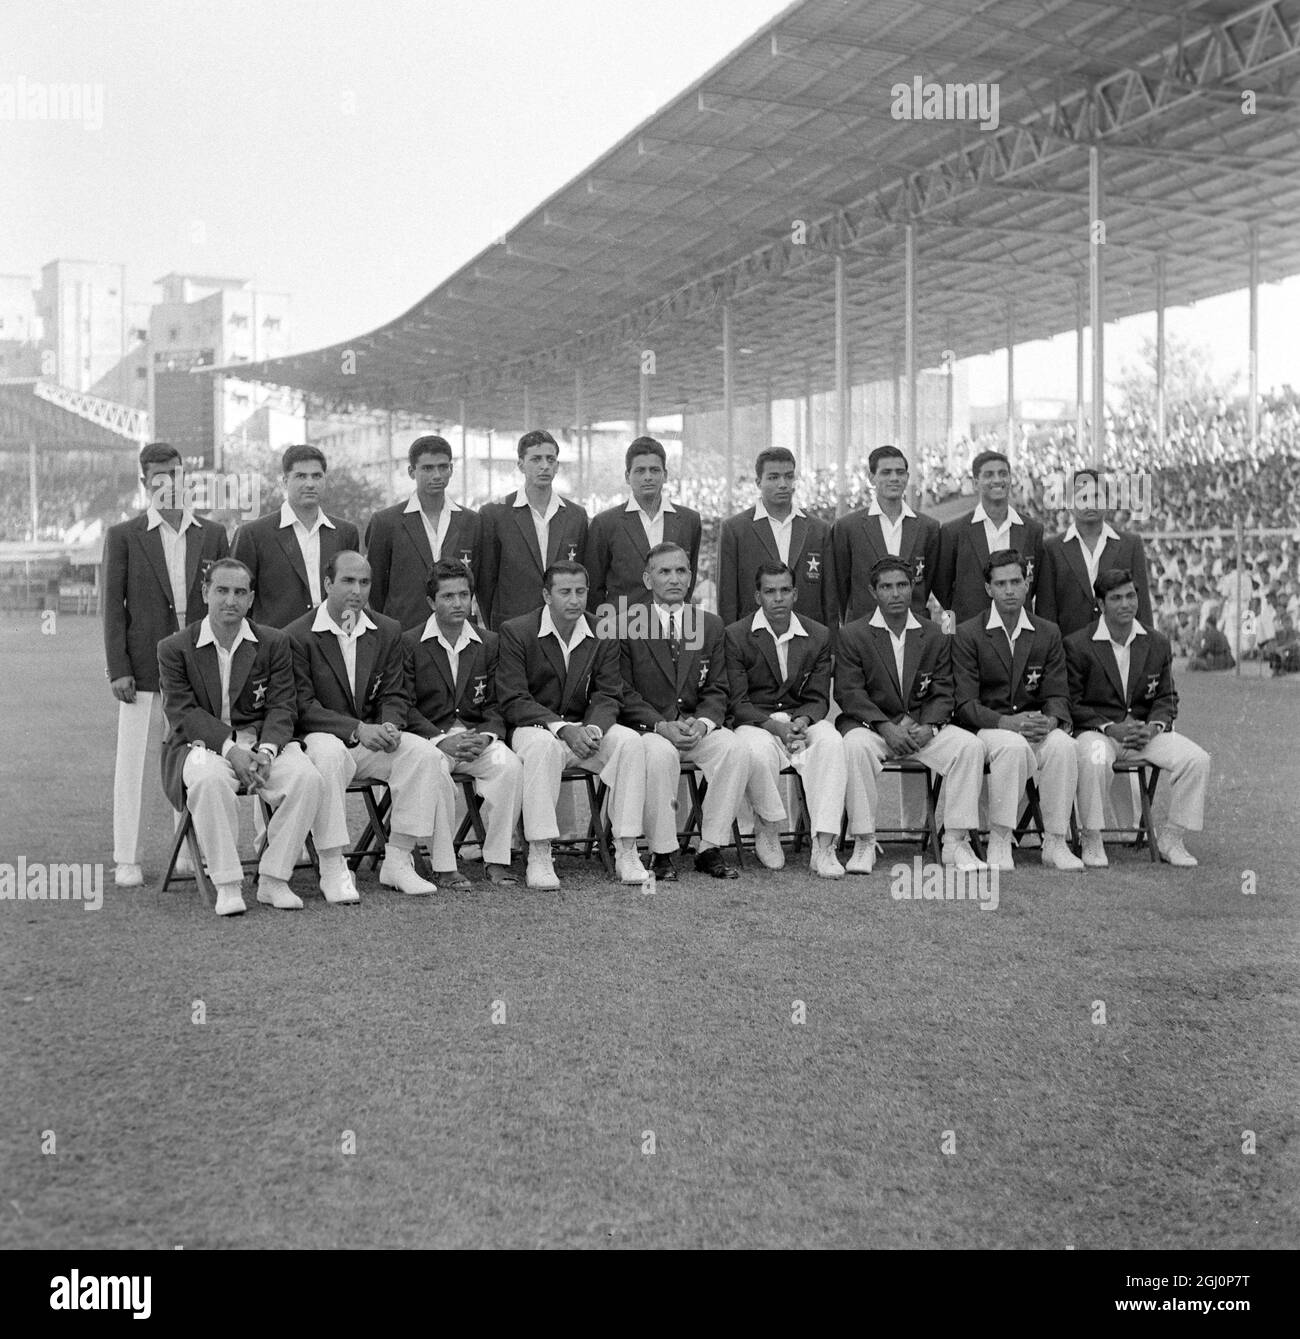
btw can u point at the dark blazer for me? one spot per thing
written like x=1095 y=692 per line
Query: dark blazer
x=617 y=548
x=281 y=591
x=1065 y=595
x=533 y=687
x=963 y=551
x=758 y=688
x=138 y=606
x=654 y=689
x=440 y=704
x=745 y=544
x=990 y=685
x=510 y=583
x=858 y=543
x=401 y=559
x=866 y=679
x=325 y=699
x=1096 y=697
x=263 y=696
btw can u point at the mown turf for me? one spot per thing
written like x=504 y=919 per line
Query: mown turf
x=627 y=1014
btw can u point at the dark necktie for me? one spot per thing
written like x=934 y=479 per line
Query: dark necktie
x=674 y=644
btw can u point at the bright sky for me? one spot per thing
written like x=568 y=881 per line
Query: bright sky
x=355 y=154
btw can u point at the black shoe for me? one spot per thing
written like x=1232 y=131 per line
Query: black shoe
x=664 y=870
x=712 y=862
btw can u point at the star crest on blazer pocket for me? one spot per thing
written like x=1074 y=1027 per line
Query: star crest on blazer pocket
x=205 y=569
x=923 y=687
x=573 y=553
x=259 y=692
x=480 y=689
x=467 y=557
x=704 y=671
x=1032 y=676
x=918 y=567
x=1153 y=682
x=1029 y=571
x=374 y=687
x=814 y=566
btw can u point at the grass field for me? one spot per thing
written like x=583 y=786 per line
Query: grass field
x=626 y=1014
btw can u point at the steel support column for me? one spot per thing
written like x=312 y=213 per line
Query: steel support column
x=1097 y=304
x=1254 y=342
x=1079 y=449
x=577 y=427
x=1012 y=444
x=1160 y=353
x=728 y=402
x=842 y=408
x=910 y=450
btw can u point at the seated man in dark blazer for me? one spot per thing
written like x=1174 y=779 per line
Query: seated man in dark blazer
x=453 y=665
x=674 y=666
x=1073 y=561
x=353 y=699
x=779 y=668
x=404 y=541
x=620 y=538
x=229 y=694
x=893 y=682
x=966 y=541
x=775 y=530
x=526 y=532
x=1013 y=692
x=560 y=692
x=1123 y=703
x=288 y=550
x=154 y=568
x=888 y=527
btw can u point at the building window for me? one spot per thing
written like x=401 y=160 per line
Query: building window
x=141 y=373
x=174 y=333
x=239 y=319
x=272 y=323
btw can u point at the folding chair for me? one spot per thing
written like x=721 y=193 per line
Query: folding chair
x=599 y=831
x=697 y=787
x=1148 y=775
x=928 y=835
x=795 y=835
x=374 y=836
x=473 y=820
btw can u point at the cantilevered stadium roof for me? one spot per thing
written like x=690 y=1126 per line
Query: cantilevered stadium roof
x=743 y=190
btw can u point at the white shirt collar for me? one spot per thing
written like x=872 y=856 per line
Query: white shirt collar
x=877 y=620
x=876 y=510
x=521 y=500
x=796 y=629
x=467 y=633
x=548 y=629
x=1103 y=632
x=289 y=517
x=413 y=504
x=1107 y=534
x=761 y=513
x=979 y=514
x=664 y=505
x=324 y=623
x=156 y=519
x=995 y=621
x=207 y=637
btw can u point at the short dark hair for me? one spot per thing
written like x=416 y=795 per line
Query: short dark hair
x=645 y=446
x=447 y=569
x=332 y=567
x=157 y=453
x=1112 y=578
x=536 y=437
x=890 y=564
x=884 y=453
x=1087 y=472
x=429 y=445
x=1003 y=558
x=563 y=570
x=230 y=562
x=773 y=455
x=773 y=570
x=666 y=547
x=294 y=454
x=983 y=459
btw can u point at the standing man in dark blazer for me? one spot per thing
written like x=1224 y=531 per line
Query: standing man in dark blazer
x=403 y=542
x=288 y=551
x=1012 y=690
x=966 y=541
x=893 y=681
x=887 y=528
x=560 y=692
x=779 y=673
x=1073 y=561
x=620 y=538
x=453 y=665
x=154 y=568
x=1123 y=702
x=527 y=532
x=775 y=530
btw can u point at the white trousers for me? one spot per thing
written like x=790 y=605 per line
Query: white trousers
x=619 y=762
x=138 y=724
x=1188 y=765
x=956 y=754
x=418 y=776
x=722 y=758
x=1014 y=762
x=821 y=767
x=499 y=783
x=210 y=785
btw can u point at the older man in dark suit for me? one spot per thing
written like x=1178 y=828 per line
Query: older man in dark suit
x=526 y=532
x=775 y=530
x=453 y=665
x=404 y=541
x=154 y=568
x=888 y=527
x=288 y=551
x=1012 y=690
x=893 y=681
x=230 y=697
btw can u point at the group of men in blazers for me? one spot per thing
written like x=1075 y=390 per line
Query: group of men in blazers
x=588 y=652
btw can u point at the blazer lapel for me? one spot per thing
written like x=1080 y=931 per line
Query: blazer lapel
x=911 y=528
x=152 y=542
x=524 y=520
x=794 y=659
x=367 y=654
x=767 y=648
x=241 y=666
x=193 y=552
x=288 y=541
x=559 y=535
x=333 y=654
x=636 y=531
x=875 y=537
x=763 y=532
x=911 y=660
x=210 y=671
x=1106 y=654
x=1024 y=649
x=1137 y=668
x=798 y=534
x=981 y=542
x=580 y=659
x=1003 y=649
x=550 y=647
x=413 y=524
x=660 y=650
x=438 y=659
x=1074 y=556
x=885 y=650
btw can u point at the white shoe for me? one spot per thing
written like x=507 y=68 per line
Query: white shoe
x=184 y=865
x=540 y=873
x=276 y=893
x=863 y=859
x=337 y=885
x=1094 y=851
x=826 y=864
x=128 y=876
x=767 y=845
x=398 y=871
x=999 y=853
x=1173 y=852
x=628 y=866
x=1057 y=855
x=960 y=855
x=230 y=899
